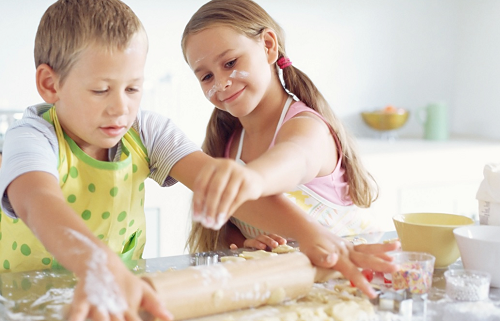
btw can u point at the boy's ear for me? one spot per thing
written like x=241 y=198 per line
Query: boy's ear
x=271 y=45
x=46 y=83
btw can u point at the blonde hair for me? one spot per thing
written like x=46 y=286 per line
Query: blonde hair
x=69 y=26
x=248 y=18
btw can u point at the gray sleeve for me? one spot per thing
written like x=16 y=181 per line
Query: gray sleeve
x=30 y=145
x=166 y=144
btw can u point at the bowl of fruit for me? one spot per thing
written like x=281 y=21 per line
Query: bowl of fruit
x=386 y=119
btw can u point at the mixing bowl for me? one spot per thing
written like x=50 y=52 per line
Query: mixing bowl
x=479 y=247
x=382 y=120
x=431 y=233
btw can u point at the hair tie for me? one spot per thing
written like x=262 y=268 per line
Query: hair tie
x=284 y=62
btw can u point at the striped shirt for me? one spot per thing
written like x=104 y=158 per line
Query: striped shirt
x=31 y=145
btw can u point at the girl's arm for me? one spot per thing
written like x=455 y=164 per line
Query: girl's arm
x=304 y=149
x=105 y=288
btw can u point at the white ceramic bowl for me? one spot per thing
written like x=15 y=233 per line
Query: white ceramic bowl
x=479 y=247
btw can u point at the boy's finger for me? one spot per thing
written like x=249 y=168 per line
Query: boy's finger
x=97 y=314
x=78 y=311
x=214 y=195
x=227 y=200
x=152 y=304
x=200 y=191
x=135 y=316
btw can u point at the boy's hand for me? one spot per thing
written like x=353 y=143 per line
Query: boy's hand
x=262 y=242
x=221 y=186
x=117 y=296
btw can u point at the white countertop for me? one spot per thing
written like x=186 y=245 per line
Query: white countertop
x=370 y=146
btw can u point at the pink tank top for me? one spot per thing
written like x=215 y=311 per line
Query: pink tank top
x=332 y=187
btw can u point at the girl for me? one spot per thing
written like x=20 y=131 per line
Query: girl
x=271 y=117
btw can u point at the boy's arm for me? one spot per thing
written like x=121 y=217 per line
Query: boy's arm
x=105 y=286
x=276 y=214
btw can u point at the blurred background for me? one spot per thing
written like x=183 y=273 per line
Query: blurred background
x=362 y=54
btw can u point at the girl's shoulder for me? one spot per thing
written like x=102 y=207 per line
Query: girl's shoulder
x=298 y=107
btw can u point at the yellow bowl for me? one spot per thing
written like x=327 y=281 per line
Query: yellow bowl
x=381 y=120
x=431 y=233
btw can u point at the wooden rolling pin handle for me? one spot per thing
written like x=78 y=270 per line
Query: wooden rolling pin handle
x=205 y=290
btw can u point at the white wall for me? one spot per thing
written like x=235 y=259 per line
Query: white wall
x=362 y=54
x=477 y=93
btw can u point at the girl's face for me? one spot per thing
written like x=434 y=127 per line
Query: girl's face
x=99 y=99
x=234 y=71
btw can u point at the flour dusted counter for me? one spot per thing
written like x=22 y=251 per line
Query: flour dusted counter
x=416 y=175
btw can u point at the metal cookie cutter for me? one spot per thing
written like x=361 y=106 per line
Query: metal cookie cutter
x=402 y=302
x=204 y=258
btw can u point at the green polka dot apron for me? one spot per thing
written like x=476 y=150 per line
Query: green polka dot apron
x=108 y=197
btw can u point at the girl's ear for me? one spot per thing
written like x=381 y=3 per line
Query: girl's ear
x=46 y=83
x=271 y=45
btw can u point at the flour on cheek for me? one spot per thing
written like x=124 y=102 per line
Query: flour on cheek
x=100 y=286
x=209 y=94
x=239 y=74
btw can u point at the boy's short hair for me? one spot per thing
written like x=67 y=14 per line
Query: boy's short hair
x=70 y=26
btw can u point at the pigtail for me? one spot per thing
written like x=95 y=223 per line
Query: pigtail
x=363 y=189
x=219 y=130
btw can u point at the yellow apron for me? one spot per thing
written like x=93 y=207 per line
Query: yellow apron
x=108 y=196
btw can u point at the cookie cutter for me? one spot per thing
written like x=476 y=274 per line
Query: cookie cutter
x=402 y=302
x=204 y=258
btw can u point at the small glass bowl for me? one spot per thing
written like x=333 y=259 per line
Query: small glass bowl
x=415 y=271
x=467 y=285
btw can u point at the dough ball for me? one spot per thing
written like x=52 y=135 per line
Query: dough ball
x=250 y=255
x=225 y=259
x=284 y=248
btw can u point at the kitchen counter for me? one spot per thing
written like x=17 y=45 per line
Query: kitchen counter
x=44 y=295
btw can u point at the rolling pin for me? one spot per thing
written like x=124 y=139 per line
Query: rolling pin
x=205 y=290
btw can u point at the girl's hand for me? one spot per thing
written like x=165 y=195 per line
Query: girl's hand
x=327 y=250
x=262 y=242
x=221 y=186
x=117 y=296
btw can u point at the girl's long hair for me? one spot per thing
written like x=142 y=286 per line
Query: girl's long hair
x=248 y=18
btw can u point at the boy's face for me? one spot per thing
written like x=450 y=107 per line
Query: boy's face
x=100 y=97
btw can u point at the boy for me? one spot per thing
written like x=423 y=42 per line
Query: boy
x=73 y=172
